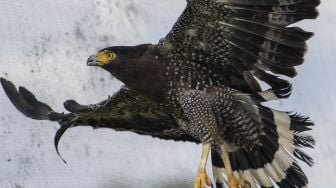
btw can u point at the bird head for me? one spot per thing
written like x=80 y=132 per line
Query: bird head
x=121 y=61
x=114 y=56
x=105 y=57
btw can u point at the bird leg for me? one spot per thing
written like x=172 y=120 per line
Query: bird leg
x=202 y=179
x=232 y=180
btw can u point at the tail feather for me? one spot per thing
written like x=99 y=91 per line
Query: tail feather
x=294 y=178
x=217 y=168
x=304 y=141
x=275 y=160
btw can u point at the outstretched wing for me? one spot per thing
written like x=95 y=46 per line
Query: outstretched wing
x=238 y=40
x=124 y=111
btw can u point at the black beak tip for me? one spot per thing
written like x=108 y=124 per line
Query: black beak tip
x=91 y=61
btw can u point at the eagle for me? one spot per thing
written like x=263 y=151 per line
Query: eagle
x=202 y=83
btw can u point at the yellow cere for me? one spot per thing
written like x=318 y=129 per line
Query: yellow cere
x=105 y=57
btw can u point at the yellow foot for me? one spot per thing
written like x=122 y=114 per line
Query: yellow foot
x=202 y=180
x=237 y=183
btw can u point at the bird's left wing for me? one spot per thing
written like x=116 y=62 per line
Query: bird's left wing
x=234 y=41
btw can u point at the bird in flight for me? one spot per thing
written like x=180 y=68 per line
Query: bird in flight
x=205 y=74
x=203 y=81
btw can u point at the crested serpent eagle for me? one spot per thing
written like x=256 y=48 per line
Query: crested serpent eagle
x=201 y=83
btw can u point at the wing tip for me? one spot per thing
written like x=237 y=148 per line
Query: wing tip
x=2 y=80
x=6 y=85
x=25 y=101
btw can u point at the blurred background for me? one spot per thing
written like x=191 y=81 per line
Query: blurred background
x=44 y=46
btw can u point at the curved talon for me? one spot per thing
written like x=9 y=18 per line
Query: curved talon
x=202 y=180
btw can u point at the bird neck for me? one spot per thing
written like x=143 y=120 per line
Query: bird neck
x=142 y=73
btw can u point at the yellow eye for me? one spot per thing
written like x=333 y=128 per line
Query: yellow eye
x=111 y=55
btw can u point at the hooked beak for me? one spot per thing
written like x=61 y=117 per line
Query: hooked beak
x=92 y=61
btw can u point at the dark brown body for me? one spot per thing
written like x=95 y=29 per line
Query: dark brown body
x=183 y=92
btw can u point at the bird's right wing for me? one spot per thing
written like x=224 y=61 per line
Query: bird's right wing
x=124 y=111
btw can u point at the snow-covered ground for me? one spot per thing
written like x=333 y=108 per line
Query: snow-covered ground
x=44 y=46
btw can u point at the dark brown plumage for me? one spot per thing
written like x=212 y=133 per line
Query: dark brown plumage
x=123 y=111
x=203 y=77
x=204 y=74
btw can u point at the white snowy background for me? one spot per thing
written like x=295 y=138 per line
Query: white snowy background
x=44 y=45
